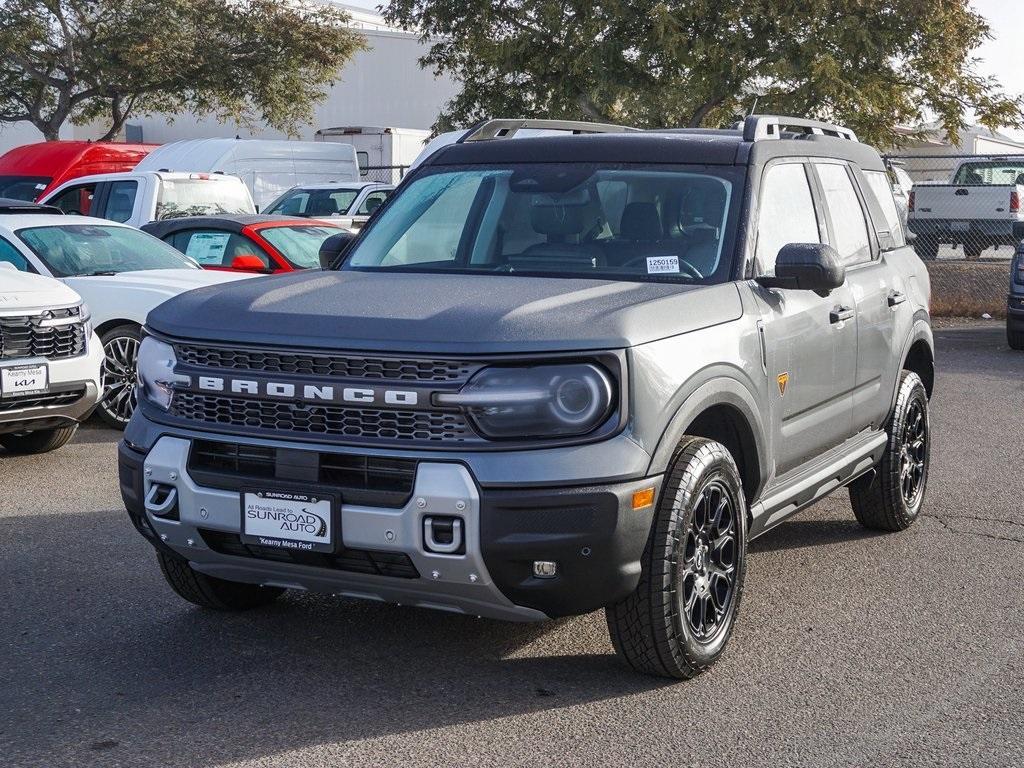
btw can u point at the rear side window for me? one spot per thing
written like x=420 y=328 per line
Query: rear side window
x=10 y=255
x=217 y=249
x=880 y=186
x=849 y=228
x=785 y=213
x=121 y=200
x=372 y=202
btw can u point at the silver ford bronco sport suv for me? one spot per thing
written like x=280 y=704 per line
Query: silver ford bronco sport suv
x=551 y=375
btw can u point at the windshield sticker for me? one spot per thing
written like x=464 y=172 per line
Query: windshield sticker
x=662 y=264
x=207 y=247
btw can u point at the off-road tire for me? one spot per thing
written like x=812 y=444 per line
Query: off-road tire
x=648 y=628
x=878 y=498
x=1015 y=338
x=209 y=592
x=113 y=410
x=41 y=441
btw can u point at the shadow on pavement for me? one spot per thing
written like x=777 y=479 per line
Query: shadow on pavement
x=146 y=670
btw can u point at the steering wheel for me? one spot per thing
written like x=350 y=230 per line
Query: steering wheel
x=685 y=267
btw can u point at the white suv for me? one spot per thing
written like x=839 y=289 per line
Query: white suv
x=120 y=272
x=49 y=362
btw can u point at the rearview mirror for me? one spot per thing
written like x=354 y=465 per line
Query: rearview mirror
x=806 y=267
x=249 y=262
x=333 y=249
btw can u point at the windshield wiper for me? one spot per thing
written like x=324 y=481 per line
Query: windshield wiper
x=100 y=273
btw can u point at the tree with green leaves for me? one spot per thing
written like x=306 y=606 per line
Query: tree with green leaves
x=105 y=60
x=871 y=64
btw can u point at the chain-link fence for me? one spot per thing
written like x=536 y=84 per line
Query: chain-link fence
x=961 y=206
x=383 y=174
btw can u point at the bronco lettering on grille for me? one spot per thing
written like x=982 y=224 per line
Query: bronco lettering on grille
x=312 y=392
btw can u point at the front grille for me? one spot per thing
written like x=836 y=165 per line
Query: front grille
x=17 y=403
x=27 y=336
x=394 y=564
x=374 y=481
x=326 y=364
x=339 y=421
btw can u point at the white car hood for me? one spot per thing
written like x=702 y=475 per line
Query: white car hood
x=23 y=291
x=130 y=296
x=169 y=282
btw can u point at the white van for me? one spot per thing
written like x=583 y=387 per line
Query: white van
x=268 y=167
x=391 y=150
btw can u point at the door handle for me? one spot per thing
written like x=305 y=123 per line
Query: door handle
x=896 y=298
x=839 y=314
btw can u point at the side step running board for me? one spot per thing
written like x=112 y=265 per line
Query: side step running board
x=853 y=459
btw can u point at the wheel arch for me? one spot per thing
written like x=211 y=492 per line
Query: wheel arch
x=111 y=324
x=725 y=411
x=918 y=356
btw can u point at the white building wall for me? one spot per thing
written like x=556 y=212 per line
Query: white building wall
x=381 y=86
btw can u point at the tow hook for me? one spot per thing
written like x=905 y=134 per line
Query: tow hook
x=442 y=534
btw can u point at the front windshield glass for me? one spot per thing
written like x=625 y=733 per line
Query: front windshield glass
x=201 y=197
x=299 y=245
x=314 y=202
x=23 y=187
x=995 y=172
x=620 y=222
x=73 y=250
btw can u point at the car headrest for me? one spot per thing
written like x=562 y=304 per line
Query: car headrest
x=640 y=221
x=557 y=220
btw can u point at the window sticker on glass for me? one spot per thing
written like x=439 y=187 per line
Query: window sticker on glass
x=662 y=264
x=208 y=247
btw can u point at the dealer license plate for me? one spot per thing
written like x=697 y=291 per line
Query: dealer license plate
x=19 y=380
x=299 y=521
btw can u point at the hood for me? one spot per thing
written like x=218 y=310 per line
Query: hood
x=468 y=314
x=23 y=291
x=169 y=282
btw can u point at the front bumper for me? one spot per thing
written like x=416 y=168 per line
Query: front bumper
x=74 y=390
x=591 y=532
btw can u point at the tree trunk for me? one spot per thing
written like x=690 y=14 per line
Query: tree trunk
x=697 y=118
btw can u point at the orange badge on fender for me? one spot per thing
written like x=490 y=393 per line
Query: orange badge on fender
x=783 y=379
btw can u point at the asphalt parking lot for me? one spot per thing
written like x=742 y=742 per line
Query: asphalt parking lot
x=852 y=649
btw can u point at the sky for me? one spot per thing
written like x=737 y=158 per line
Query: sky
x=1003 y=56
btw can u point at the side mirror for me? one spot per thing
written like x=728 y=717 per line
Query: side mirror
x=806 y=267
x=249 y=262
x=333 y=249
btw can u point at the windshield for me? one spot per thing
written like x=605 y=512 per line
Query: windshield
x=621 y=222
x=23 y=187
x=201 y=197
x=994 y=172
x=73 y=250
x=314 y=202
x=299 y=245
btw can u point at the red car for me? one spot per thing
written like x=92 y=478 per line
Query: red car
x=30 y=171
x=264 y=244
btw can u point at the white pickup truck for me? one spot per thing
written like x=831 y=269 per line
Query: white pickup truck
x=976 y=209
x=139 y=197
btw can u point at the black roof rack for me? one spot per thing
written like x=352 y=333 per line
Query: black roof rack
x=9 y=205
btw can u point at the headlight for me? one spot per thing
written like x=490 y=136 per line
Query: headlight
x=538 y=401
x=156 y=377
